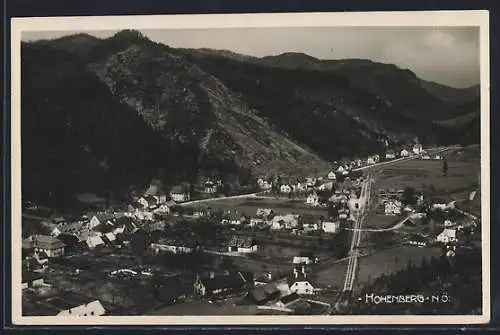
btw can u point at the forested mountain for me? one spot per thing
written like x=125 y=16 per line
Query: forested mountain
x=107 y=115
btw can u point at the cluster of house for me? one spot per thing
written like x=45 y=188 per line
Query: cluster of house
x=390 y=200
x=279 y=293
x=266 y=218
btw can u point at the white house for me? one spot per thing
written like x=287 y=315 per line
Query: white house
x=163 y=209
x=404 y=153
x=94 y=242
x=93 y=308
x=438 y=157
x=341 y=169
x=343 y=214
x=312 y=199
x=390 y=155
x=417 y=149
x=447 y=235
x=174 y=247
x=332 y=175
x=330 y=226
x=98 y=219
x=44 y=243
x=370 y=161
x=210 y=187
x=439 y=204
x=242 y=244
x=306 y=258
x=179 y=194
x=392 y=207
x=288 y=221
x=299 y=283
x=285 y=188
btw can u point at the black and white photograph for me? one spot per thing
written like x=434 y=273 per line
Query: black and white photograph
x=251 y=169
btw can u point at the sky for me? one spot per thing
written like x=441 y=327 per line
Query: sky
x=446 y=55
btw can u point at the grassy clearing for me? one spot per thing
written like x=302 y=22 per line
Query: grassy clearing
x=333 y=275
x=462 y=177
x=389 y=261
x=249 y=206
x=380 y=221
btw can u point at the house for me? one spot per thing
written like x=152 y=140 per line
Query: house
x=70 y=241
x=426 y=157
x=288 y=221
x=438 y=157
x=404 y=153
x=326 y=186
x=390 y=155
x=256 y=221
x=172 y=246
x=210 y=187
x=288 y=300
x=222 y=286
x=341 y=169
x=285 y=188
x=99 y=218
x=329 y=226
x=71 y=308
x=242 y=244
x=233 y=219
x=417 y=149
x=310 y=222
x=180 y=194
x=162 y=209
x=439 y=204
x=264 y=212
x=311 y=182
x=264 y=184
x=299 y=283
x=265 y=293
x=447 y=236
x=332 y=175
x=94 y=242
x=73 y=228
x=305 y=257
x=418 y=241
x=392 y=207
x=124 y=225
x=31 y=280
x=149 y=202
x=343 y=213
x=370 y=160
x=44 y=243
x=313 y=199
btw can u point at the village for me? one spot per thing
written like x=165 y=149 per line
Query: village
x=267 y=252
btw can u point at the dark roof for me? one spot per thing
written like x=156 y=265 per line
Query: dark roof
x=43 y=241
x=310 y=218
x=230 y=281
x=69 y=240
x=30 y=276
x=289 y=298
x=103 y=228
x=265 y=292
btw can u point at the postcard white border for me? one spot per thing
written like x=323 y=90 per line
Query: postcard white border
x=359 y=19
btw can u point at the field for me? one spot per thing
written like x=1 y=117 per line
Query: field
x=333 y=275
x=392 y=260
x=249 y=205
x=380 y=221
x=462 y=177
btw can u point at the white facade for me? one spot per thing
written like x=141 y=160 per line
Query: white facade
x=404 y=153
x=302 y=287
x=312 y=199
x=447 y=236
x=332 y=175
x=329 y=226
x=285 y=188
x=390 y=156
x=180 y=197
x=417 y=149
x=93 y=308
x=392 y=208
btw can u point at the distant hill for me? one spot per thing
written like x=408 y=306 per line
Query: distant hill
x=108 y=115
x=456 y=96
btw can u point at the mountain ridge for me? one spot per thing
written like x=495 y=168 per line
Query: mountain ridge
x=195 y=112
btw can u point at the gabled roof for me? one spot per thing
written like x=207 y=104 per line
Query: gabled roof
x=178 y=190
x=103 y=228
x=230 y=281
x=241 y=241
x=289 y=298
x=43 y=242
x=265 y=292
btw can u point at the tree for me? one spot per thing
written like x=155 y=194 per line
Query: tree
x=408 y=197
x=445 y=167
